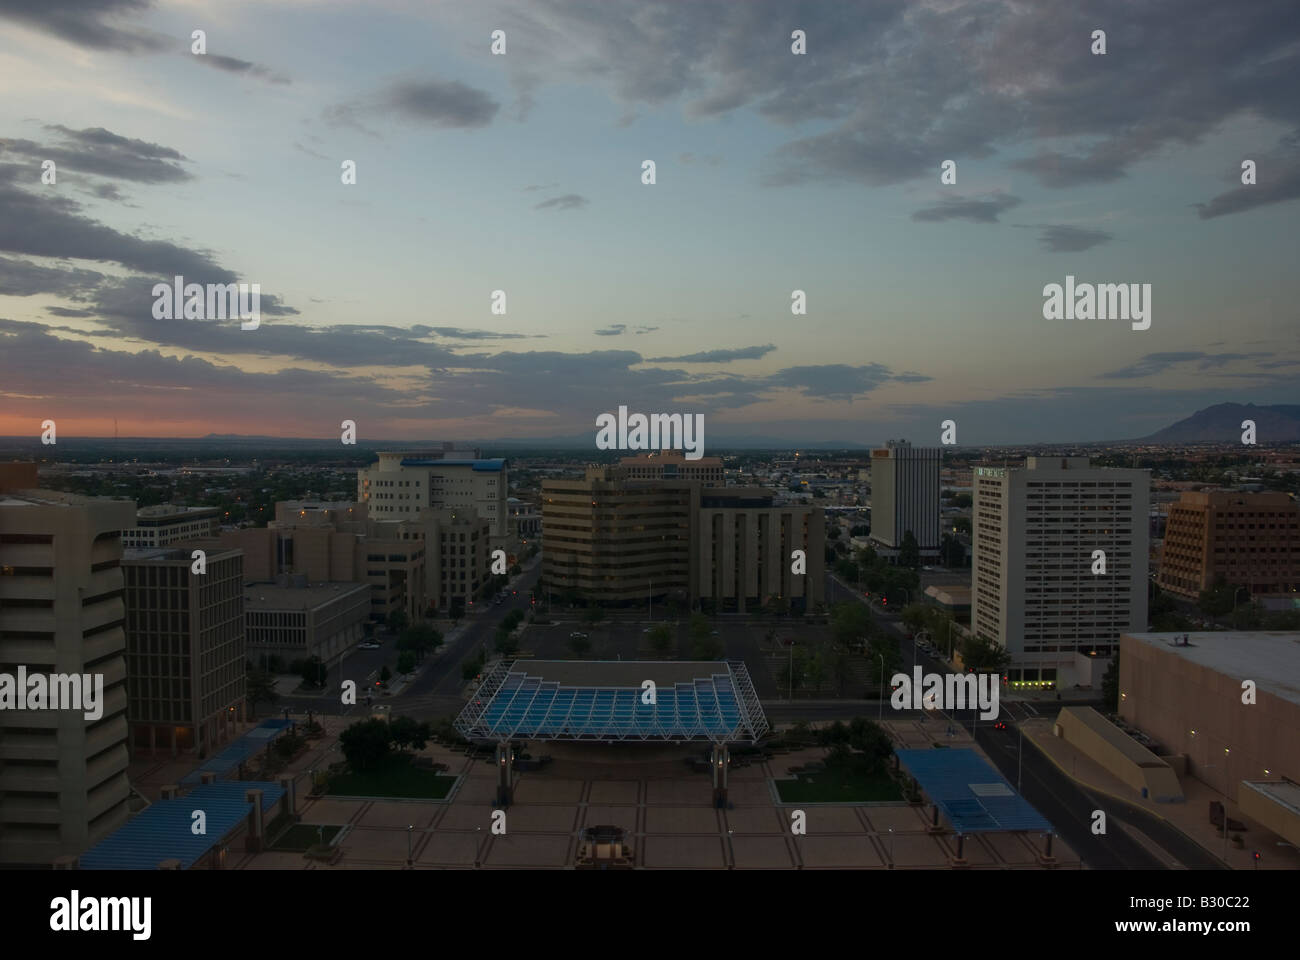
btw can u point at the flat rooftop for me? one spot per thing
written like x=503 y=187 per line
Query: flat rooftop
x=1282 y=792
x=177 y=552
x=269 y=596
x=1271 y=658
x=620 y=673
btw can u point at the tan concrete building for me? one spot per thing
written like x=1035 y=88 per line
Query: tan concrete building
x=165 y=524
x=403 y=483
x=184 y=647
x=63 y=783
x=744 y=547
x=611 y=539
x=1249 y=539
x=1189 y=699
x=1034 y=532
x=1146 y=774
x=673 y=465
x=905 y=496
x=300 y=621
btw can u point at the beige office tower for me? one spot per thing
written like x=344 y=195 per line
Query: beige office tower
x=905 y=496
x=614 y=540
x=610 y=540
x=1036 y=532
x=403 y=483
x=746 y=551
x=184 y=647
x=63 y=784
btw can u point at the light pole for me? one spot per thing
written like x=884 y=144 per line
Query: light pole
x=1235 y=594
x=791 y=670
x=409 y=830
x=881 y=695
x=891 y=848
x=1020 y=755
x=651 y=598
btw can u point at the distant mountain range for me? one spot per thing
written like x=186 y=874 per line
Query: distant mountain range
x=1221 y=423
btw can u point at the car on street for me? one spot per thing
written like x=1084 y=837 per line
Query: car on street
x=369 y=645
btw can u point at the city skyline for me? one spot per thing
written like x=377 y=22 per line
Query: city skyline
x=522 y=172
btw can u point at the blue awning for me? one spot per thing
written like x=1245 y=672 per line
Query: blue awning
x=970 y=792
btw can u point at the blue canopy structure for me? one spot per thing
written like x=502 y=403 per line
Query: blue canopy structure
x=611 y=700
x=239 y=750
x=969 y=792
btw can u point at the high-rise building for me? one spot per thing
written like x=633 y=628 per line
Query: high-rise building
x=63 y=783
x=165 y=524
x=403 y=483
x=673 y=465
x=1251 y=540
x=1037 y=530
x=611 y=539
x=184 y=647
x=905 y=496
x=745 y=545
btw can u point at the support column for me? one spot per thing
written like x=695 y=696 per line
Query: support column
x=934 y=826
x=959 y=859
x=720 y=762
x=505 y=769
x=253 y=842
x=1046 y=858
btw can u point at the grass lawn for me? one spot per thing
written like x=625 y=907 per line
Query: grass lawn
x=838 y=786
x=301 y=836
x=394 y=778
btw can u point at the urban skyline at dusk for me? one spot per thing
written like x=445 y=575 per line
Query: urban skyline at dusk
x=522 y=172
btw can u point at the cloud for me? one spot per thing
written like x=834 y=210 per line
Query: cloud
x=460 y=333
x=103 y=153
x=718 y=356
x=640 y=330
x=22 y=278
x=83 y=22
x=444 y=104
x=838 y=382
x=1277 y=180
x=68 y=312
x=968 y=208
x=233 y=65
x=1059 y=238
x=613 y=330
x=570 y=201
x=1154 y=363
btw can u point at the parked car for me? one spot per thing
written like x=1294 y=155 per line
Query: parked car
x=369 y=645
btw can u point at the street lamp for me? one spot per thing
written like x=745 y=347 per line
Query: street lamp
x=881 y=716
x=891 y=848
x=409 y=830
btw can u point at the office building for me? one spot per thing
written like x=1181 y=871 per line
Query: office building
x=185 y=652
x=905 y=497
x=63 y=783
x=163 y=525
x=403 y=483
x=673 y=465
x=1250 y=540
x=295 y=620
x=1187 y=694
x=1035 y=532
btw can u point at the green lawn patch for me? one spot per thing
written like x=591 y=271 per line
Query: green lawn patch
x=394 y=778
x=303 y=836
x=837 y=785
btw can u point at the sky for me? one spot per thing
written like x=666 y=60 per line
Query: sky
x=523 y=172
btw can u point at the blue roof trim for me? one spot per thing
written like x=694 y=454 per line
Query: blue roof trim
x=480 y=466
x=162 y=831
x=240 y=750
x=946 y=777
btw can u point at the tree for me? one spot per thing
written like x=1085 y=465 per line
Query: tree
x=312 y=671
x=418 y=640
x=1110 y=686
x=846 y=569
x=851 y=624
x=366 y=743
x=515 y=570
x=909 y=552
x=661 y=638
x=260 y=687
x=1170 y=623
x=881 y=645
x=406 y=732
x=504 y=642
x=915 y=617
x=983 y=655
x=385 y=675
x=406 y=661
x=1217 y=600
x=398 y=620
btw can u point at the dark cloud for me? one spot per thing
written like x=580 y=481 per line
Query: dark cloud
x=613 y=330
x=837 y=382
x=104 y=154
x=986 y=210
x=1154 y=363
x=718 y=356
x=570 y=201
x=445 y=104
x=22 y=278
x=897 y=88
x=640 y=330
x=84 y=22
x=1059 y=238
x=244 y=67
x=68 y=312
x=1277 y=180
x=460 y=333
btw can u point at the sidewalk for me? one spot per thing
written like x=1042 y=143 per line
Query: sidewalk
x=1191 y=818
